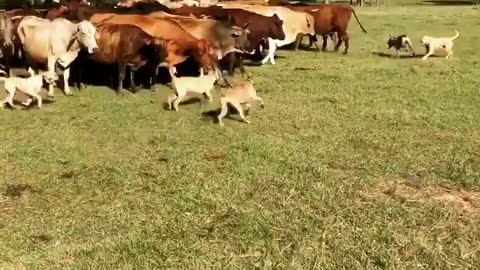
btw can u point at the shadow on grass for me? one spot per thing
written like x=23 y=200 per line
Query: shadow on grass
x=446 y=3
x=406 y=56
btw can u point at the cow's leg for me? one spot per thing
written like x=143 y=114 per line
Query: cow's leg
x=339 y=43
x=121 y=77
x=346 y=39
x=66 y=77
x=271 y=52
x=324 y=45
x=241 y=66
x=231 y=63
x=298 y=40
x=51 y=68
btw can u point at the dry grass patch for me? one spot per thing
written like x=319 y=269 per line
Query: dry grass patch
x=411 y=190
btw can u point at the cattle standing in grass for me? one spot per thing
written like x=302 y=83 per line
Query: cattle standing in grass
x=259 y=27
x=180 y=44
x=58 y=41
x=128 y=45
x=10 y=19
x=329 y=19
x=295 y=25
x=6 y=40
x=80 y=11
x=224 y=37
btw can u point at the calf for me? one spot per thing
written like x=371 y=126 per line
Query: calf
x=128 y=45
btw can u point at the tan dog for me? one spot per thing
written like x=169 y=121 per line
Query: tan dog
x=183 y=85
x=433 y=43
x=239 y=96
x=31 y=86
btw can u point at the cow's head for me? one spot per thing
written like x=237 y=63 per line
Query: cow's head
x=204 y=54
x=6 y=29
x=86 y=34
x=276 y=28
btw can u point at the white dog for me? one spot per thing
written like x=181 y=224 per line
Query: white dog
x=434 y=43
x=31 y=86
x=203 y=84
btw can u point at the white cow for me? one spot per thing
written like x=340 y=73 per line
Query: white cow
x=58 y=41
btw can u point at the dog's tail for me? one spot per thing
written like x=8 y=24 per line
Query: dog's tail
x=4 y=73
x=456 y=35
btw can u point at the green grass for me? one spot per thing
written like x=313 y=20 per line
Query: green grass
x=120 y=183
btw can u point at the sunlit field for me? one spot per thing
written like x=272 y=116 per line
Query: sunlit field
x=358 y=161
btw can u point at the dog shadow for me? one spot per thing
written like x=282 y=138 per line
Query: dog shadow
x=213 y=114
x=402 y=56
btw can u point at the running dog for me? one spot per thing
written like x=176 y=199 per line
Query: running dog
x=400 y=42
x=31 y=86
x=434 y=43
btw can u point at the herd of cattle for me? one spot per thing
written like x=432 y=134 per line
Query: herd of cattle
x=141 y=38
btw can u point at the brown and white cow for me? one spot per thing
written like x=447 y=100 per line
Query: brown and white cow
x=55 y=42
x=295 y=25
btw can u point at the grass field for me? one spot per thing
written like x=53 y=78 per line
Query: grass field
x=357 y=162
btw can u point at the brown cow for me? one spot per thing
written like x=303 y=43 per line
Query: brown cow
x=260 y=29
x=225 y=38
x=128 y=45
x=329 y=19
x=180 y=44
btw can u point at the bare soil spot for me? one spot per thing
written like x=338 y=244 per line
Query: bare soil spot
x=41 y=238
x=18 y=190
x=413 y=190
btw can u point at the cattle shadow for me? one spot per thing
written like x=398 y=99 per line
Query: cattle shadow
x=446 y=3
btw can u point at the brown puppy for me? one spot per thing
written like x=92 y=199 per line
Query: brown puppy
x=239 y=96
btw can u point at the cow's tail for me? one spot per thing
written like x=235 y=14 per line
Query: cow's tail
x=355 y=14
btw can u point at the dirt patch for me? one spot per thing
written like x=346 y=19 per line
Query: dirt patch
x=18 y=190
x=215 y=154
x=41 y=239
x=415 y=191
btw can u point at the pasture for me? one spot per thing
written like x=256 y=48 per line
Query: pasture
x=358 y=161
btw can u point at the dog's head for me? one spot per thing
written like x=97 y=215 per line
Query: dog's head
x=391 y=41
x=50 y=78
x=426 y=40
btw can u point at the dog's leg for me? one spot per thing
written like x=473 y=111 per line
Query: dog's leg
x=170 y=99
x=238 y=107
x=179 y=99
x=28 y=102
x=430 y=52
x=246 y=109
x=257 y=98
x=224 y=111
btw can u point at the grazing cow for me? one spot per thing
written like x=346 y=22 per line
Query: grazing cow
x=58 y=41
x=180 y=44
x=127 y=45
x=224 y=37
x=330 y=19
x=295 y=25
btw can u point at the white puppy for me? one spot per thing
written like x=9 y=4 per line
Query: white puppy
x=183 y=85
x=434 y=43
x=31 y=86
x=239 y=95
